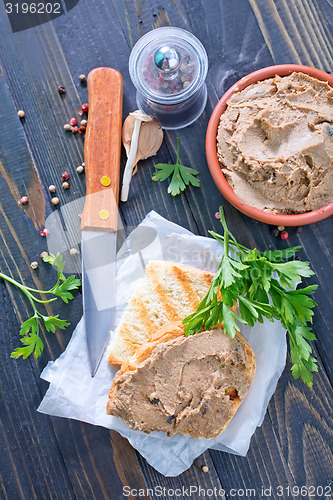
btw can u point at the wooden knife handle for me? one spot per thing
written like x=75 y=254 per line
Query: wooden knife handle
x=102 y=150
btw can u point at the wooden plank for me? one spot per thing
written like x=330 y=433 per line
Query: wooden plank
x=296 y=31
x=292 y=447
x=188 y=483
x=21 y=243
x=98 y=462
x=31 y=463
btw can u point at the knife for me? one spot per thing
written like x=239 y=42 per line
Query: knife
x=100 y=214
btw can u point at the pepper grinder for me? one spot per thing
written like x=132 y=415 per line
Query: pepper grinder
x=168 y=67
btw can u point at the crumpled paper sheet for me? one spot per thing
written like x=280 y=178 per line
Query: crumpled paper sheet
x=73 y=393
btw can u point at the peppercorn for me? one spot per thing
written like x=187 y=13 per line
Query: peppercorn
x=34 y=265
x=80 y=112
x=281 y=228
x=82 y=129
x=85 y=107
x=298 y=229
x=65 y=185
x=65 y=176
x=82 y=78
x=217 y=215
x=75 y=130
x=83 y=164
x=80 y=169
x=205 y=469
x=68 y=127
x=43 y=254
x=73 y=252
x=52 y=188
x=24 y=200
x=55 y=201
x=73 y=122
x=275 y=232
x=61 y=89
x=284 y=235
x=21 y=113
x=83 y=123
x=44 y=232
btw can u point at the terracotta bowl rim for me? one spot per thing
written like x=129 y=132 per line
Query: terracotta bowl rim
x=211 y=149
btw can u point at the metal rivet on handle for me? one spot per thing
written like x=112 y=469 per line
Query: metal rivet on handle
x=104 y=214
x=105 y=181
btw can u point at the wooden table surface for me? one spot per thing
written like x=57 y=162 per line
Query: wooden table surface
x=55 y=458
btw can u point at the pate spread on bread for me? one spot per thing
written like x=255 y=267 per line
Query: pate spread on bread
x=168 y=292
x=183 y=385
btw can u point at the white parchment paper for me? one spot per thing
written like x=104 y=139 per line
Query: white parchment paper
x=73 y=393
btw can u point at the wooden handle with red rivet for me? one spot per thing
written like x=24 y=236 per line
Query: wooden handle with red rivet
x=102 y=149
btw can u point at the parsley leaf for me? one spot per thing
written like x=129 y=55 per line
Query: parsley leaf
x=62 y=290
x=32 y=343
x=248 y=281
x=181 y=176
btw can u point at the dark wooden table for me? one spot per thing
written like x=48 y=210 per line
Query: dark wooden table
x=55 y=458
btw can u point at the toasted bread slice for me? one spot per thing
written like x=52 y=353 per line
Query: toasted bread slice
x=183 y=385
x=168 y=292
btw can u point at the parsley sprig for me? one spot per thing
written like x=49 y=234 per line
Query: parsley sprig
x=30 y=335
x=181 y=176
x=263 y=284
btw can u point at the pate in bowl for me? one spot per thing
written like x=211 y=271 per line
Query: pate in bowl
x=269 y=145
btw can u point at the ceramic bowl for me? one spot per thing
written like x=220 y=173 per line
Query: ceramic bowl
x=211 y=149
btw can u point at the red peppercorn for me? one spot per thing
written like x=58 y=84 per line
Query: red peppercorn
x=73 y=122
x=85 y=107
x=284 y=235
x=65 y=176
x=24 y=200
x=82 y=129
x=44 y=232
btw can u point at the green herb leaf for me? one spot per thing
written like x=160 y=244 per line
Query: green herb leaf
x=30 y=324
x=249 y=281
x=30 y=338
x=56 y=261
x=280 y=255
x=51 y=322
x=230 y=324
x=294 y=270
x=62 y=290
x=181 y=176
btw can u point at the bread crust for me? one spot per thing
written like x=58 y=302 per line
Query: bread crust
x=167 y=336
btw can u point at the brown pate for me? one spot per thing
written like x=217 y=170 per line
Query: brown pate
x=189 y=385
x=275 y=144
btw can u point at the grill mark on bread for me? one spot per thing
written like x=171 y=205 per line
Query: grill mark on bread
x=169 y=291
x=184 y=281
x=148 y=323
x=160 y=290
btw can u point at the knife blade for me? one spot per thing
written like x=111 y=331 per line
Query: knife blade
x=100 y=214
